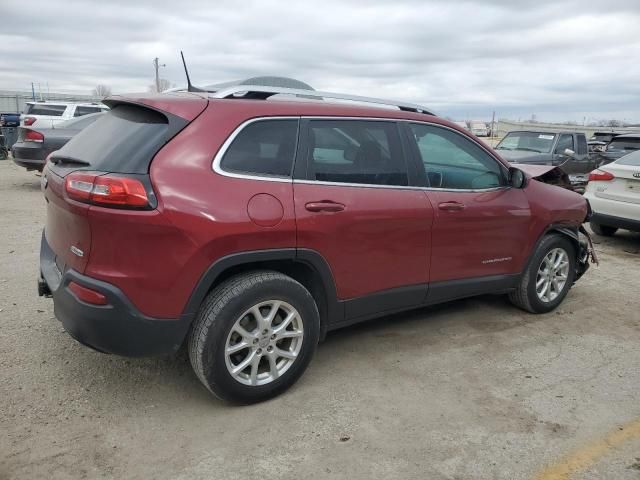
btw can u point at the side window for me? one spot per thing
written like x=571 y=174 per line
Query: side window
x=80 y=111
x=265 y=147
x=452 y=161
x=565 y=141
x=356 y=151
x=582 y=145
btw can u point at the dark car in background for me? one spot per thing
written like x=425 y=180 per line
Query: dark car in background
x=567 y=150
x=35 y=144
x=619 y=146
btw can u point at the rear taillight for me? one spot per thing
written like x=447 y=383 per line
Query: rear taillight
x=600 y=176
x=87 y=295
x=106 y=190
x=33 y=136
x=28 y=121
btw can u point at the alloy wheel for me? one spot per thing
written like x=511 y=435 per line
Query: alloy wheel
x=264 y=343
x=552 y=275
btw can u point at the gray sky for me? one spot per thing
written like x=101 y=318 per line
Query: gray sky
x=560 y=60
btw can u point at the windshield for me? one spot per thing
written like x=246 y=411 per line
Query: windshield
x=539 y=142
x=624 y=144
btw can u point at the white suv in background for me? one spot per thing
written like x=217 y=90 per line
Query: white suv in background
x=47 y=114
x=613 y=192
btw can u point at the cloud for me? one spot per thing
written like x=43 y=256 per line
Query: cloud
x=556 y=59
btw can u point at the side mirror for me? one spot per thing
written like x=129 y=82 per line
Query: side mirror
x=568 y=152
x=517 y=178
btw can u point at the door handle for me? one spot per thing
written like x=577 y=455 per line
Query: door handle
x=324 y=206
x=451 y=206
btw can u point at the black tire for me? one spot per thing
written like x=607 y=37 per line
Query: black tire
x=525 y=295
x=603 y=230
x=218 y=314
x=3 y=154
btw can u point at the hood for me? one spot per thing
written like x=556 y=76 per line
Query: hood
x=535 y=171
x=547 y=174
x=524 y=156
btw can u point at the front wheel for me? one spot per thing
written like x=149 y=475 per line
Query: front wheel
x=254 y=336
x=548 y=277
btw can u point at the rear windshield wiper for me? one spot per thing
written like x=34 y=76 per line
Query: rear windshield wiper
x=68 y=160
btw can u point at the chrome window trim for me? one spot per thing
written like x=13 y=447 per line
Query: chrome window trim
x=247 y=176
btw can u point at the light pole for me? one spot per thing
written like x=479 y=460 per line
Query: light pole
x=157 y=66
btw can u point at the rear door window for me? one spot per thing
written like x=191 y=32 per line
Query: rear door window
x=356 y=151
x=582 y=145
x=45 y=109
x=265 y=147
x=453 y=162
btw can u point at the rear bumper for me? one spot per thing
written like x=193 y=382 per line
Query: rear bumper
x=29 y=157
x=618 y=222
x=118 y=327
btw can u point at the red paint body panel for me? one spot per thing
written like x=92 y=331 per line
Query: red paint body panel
x=484 y=238
x=383 y=238
x=67 y=225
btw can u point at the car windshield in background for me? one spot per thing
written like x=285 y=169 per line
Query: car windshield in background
x=44 y=109
x=538 y=142
x=632 y=159
x=624 y=144
x=79 y=123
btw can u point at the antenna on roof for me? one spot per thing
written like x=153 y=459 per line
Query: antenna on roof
x=190 y=88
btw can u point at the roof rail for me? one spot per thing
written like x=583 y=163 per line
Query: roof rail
x=262 y=93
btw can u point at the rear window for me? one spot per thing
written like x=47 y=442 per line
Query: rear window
x=124 y=140
x=626 y=144
x=633 y=159
x=44 y=109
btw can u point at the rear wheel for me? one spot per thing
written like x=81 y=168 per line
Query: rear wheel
x=549 y=276
x=254 y=336
x=603 y=230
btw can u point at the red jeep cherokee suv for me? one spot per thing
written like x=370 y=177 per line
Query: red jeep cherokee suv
x=249 y=226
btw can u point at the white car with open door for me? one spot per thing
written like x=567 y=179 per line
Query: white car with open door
x=613 y=192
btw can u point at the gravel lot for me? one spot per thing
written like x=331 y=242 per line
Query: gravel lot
x=469 y=390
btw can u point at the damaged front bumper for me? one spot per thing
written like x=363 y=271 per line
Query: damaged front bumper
x=586 y=252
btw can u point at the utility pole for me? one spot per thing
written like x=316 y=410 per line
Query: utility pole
x=493 y=124
x=157 y=66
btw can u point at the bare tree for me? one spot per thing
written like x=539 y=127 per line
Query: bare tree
x=102 y=91
x=164 y=85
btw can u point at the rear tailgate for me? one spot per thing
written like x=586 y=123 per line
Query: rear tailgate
x=122 y=142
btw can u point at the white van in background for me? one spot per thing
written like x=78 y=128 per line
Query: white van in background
x=479 y=129
x=47 y=114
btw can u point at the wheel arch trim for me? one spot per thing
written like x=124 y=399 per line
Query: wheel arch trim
x=308 y=257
